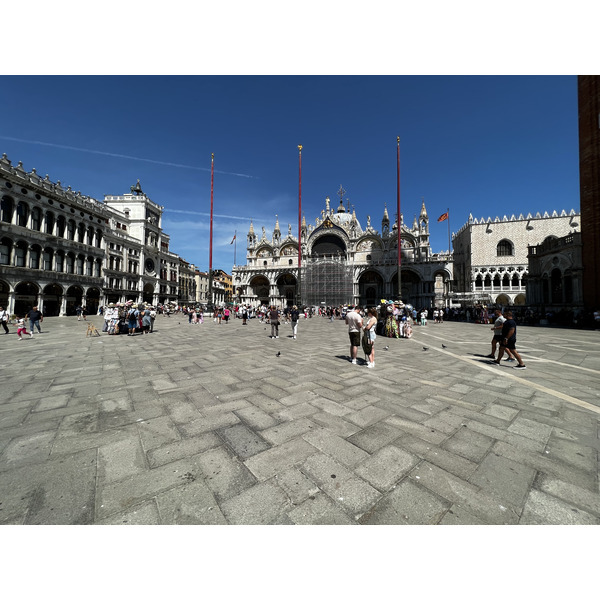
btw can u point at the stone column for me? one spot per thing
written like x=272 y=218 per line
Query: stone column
x=63 y=306
x=11 y=302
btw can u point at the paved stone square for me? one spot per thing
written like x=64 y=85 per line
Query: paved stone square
x=205 y=424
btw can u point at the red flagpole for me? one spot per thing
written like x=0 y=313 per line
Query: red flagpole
x=299 y=224
x=212 y=179
x=210 y=268
x=399 y=221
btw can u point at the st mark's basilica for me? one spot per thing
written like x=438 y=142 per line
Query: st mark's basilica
x=344 y=262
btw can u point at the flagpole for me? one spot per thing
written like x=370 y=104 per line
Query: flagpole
x=399 y=221
x=448 y=211
x=235 y=247
x=299 y=295
x=210 y=268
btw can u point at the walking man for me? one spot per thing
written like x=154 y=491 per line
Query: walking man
x=354 y=322
x=497 y=339
x=294 y=314
x=4 y=319
x=509 y=341
x=35 y=317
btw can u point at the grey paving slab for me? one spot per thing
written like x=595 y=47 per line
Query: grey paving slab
x=319 y=510
x=182 y=448
x=243 y=441
x=121 y=459
x=224 y=473
x=457 y=491
x=407 y=504
x=262 y=504
x=453 y=463
x=296 y=485
x=386 y=467
x=143 y=514
x=543 y=509
x=153 y=429
x=287 y=430
x=189 y=504
x=549 y=465
x=347 y=490
x=504 y=479
x=335 y=446
x=569 y=493
x=280 y=458
x=468 y=443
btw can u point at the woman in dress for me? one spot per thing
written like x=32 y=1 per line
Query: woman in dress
x=369 y=328
x=391 y=325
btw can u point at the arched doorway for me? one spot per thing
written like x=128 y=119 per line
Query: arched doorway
x=52 y=300
x=520 y=300
x=286 y=285
x=370 y=288
x=92 y=300
x=4 y=289
x=26 y=297
x=503 y=300
x=410 y=289
x=74 y=299
x=556 y=286
x=260 y=289
x=148 y=294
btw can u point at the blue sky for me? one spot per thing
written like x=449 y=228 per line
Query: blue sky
x=486 y=145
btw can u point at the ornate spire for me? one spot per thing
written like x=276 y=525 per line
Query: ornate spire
x=251 y=231
x=424 y=211
x=276 y=224
x=386 y=217
x=415 y=223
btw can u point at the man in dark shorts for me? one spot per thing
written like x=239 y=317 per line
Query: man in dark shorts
x=354 y=322
x=509 y=341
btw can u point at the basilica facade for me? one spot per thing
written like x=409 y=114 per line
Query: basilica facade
x=343 y=262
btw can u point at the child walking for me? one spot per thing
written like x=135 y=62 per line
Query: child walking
x=22 y=329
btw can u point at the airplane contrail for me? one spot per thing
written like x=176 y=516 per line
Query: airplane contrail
x=203 y=214
x=149 y=160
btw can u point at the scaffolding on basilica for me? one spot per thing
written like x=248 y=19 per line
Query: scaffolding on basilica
x=327 y=280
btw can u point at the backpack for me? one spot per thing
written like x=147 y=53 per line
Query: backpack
x=367 y=344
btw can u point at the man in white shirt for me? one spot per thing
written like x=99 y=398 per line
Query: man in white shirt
x=497 y=339
x=4 y=319
x=354 y=322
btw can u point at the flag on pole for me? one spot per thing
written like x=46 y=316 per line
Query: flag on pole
x=233 y=240
x=443 y=217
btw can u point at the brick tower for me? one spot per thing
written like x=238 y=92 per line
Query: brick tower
x=589 y=182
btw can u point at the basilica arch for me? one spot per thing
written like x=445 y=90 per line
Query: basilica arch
x=259 y=288
x=371 y=288
x=287 y=289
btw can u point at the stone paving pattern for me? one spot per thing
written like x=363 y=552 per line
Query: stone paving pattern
x=205 y=424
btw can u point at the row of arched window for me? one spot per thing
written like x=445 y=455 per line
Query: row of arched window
x=34 y=256
x=46 y=221
x=498 y=282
